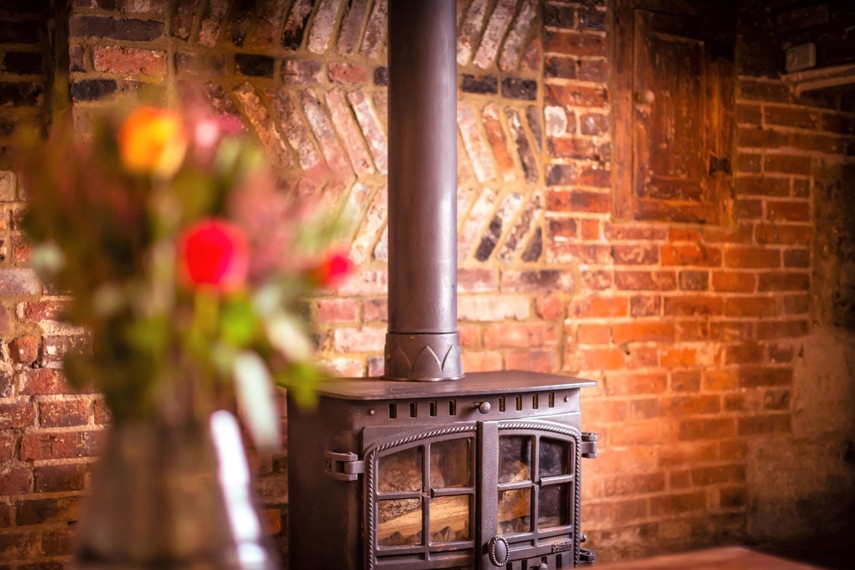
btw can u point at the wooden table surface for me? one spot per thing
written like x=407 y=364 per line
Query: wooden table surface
x=727 y=558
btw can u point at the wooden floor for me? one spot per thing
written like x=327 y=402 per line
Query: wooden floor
x=726 y=558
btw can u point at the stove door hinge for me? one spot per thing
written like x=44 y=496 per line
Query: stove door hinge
x=343 y=466
x=589 y=445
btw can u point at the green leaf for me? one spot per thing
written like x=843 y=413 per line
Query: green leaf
x=256 y=398
x=238 y=324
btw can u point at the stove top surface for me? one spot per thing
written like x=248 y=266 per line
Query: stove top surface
x=499 y=382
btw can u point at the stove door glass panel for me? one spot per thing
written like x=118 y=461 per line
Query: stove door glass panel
x=401 y=471
x=554 y=458
x=514 y=511
x=554 y=506
x=514 y=459
x=451 y=464
x=449 y=519
x=399 y=522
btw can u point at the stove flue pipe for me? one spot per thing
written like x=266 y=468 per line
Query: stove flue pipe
x=422 y=342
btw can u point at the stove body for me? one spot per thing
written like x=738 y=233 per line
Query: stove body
x=479 y=473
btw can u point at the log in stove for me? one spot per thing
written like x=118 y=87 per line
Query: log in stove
x=428 y=467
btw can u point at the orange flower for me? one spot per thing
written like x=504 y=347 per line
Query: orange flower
x=152 y=141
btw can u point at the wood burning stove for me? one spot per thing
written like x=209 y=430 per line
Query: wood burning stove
x=428 y=468
x=479 y=473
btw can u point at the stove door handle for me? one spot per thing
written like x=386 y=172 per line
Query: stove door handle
x=499 y=551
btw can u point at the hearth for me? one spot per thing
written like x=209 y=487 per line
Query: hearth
x=428 y=467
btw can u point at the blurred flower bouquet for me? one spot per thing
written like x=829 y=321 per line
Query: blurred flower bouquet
x=185 y=260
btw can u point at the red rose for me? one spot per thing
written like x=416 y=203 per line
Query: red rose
x=214 y=253
x=332 y=270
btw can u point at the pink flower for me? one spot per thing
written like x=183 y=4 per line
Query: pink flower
x=332 y=270
x=214 y=253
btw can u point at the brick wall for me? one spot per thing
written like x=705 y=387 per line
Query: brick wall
x=704 y=339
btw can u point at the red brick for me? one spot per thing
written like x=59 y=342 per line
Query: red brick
x=771 y=423
x=596 y=359
x=721 y=380
x=685 y=381
x=788 y=211
x=44 y=309
x=481 y=361
x=362 y=339
x=604 y=411
x=590 y=229
x=679 y=480
x=644 y=408
x=598 y=307
x=754 y=377
x=635 y=384
x=129 y=61
x=64 y=414
x=646 y=280
x=645 y=306
x=644 y=432
x=534 y=360
x=691 y=405
x=15 y=479
x=633 y=509
x=520 y=335
x=693 y=305
x=38 y=446
x=787 y=164
x=676 y=504
x=55 y=510
x=59 y=478
x=746 y=353
x=751 y=306
x=636 y=254
x=783 y=281
x=578 y=201
x=690 y=255
x=783 y=234
x=635 y=484
x=797 y=258
x=25 y=349
x=642 y=356
x=640 y=331
x=17 y=415
x=748 y=162
x=678 y=357
x=751 y=257
x=624 y=232
x=338 y=310
x=597 y=280
x=349 y=73
x=549 y=307
x=749 y=209
x=574 y=43
x=58 y=542
x=20 y=546
x=734 y=282
x=782 y=329
x=576 y=95
x=691 y=330
x=733 y=497
x=695 y=429
x=593 y=334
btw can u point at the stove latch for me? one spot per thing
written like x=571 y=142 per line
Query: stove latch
x=589 y=445
x=343 y=466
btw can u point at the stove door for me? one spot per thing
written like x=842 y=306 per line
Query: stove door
x=421 y=499
x=530 y=494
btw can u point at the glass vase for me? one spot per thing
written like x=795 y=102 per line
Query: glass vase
x=172 y=495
